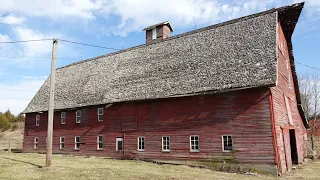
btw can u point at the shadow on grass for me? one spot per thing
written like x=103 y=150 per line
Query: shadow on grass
x=38 y=166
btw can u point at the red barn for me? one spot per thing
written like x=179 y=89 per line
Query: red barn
x=226 y=90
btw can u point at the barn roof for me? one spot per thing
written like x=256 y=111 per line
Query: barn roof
x=155 y=25
x=240 y=53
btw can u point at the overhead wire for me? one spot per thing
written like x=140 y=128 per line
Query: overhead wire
x=7 y=89
x=24 y=41
x=307 y=66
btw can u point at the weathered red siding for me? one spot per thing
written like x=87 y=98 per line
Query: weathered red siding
x=244 y=114
x=166 y=32
x=285 y=88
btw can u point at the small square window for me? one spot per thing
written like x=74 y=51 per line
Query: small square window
x=194 y=143
x=166 y=143
x=227 y=143
x=100 y=142
x=37 y=119
x=78 y=116
x=119 y=143
x=140 y=143
x=77 y=143
x=100 y=114
x=63 y=117
x=61 y=142
x=35 y=143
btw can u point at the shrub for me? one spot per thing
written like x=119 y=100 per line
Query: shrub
x=11 y=118
x=4 y=123
x=20 y=118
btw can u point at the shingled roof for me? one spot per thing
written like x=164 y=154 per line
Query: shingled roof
x=240 y=53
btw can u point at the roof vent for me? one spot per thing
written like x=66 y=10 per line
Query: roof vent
x=158 y=32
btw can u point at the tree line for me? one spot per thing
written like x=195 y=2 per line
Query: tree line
x=9 y=120
x=309 y=86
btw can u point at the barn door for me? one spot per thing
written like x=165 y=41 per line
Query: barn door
x=287 y=149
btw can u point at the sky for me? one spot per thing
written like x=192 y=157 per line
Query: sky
x=116 y=24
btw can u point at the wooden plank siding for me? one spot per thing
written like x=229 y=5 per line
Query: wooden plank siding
x=244 y=114
x=285 y=88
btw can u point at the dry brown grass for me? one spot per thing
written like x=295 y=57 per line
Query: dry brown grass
x=30 y=166
x=15 y=136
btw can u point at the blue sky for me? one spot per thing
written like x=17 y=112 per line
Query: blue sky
x=109 y=23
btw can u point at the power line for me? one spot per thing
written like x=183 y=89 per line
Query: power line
x=308 y=66
x=15 y=99
x=9 y=57
x=88 y=44
x=32 y=40
x=6 y=89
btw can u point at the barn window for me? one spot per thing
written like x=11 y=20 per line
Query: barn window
x=166 y=143
x=78 y=116
x=119 y=143
x=154 y=33
x=35 y=143
x=194 y=143
x=141 y=143
x=77 y=142
x=61 y=142
x=63 y=117
x=100 y=114
x=37 y=119
x=99 y=142
x=227 y=143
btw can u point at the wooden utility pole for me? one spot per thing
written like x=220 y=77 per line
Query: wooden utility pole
x=51 y=104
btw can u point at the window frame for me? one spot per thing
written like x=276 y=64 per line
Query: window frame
x=154 y=33
x=75 y=143
x=119 y=139
x=36 y=143
x=98 y=114
x=38 y=120
x=227 y=135
x=167 y=145
x=63 y=119
x=78 y=116
x=194 y=150
x=98 y=142
x=62 y=137
x=142 y=138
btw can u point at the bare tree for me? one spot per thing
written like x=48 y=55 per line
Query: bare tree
x=309 y=85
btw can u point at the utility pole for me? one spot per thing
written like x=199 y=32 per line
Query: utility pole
x=51 y=103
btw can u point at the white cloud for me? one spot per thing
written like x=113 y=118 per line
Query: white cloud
x=16 y=95
x=56 y=9
x=32 y=49
x=12 y=19
x=135 y=15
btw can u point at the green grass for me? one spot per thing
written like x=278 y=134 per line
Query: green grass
x=30 y=166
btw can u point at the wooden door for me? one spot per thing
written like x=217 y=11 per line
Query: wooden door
x=287 y=148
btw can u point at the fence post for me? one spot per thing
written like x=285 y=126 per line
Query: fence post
x=9 y=145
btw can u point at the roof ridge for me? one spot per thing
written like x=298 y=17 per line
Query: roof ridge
x=232 y=21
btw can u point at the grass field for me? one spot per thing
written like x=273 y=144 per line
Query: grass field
x=30 y=166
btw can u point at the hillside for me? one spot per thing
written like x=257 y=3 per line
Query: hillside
x=15 y=136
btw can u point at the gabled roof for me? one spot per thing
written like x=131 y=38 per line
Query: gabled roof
x=155 y=25
x=240 y=53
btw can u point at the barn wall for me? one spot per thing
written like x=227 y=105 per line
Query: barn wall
x=243 y=114
x=166 y=32
x=285 y=87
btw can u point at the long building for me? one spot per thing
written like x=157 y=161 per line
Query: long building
x=226 y=91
